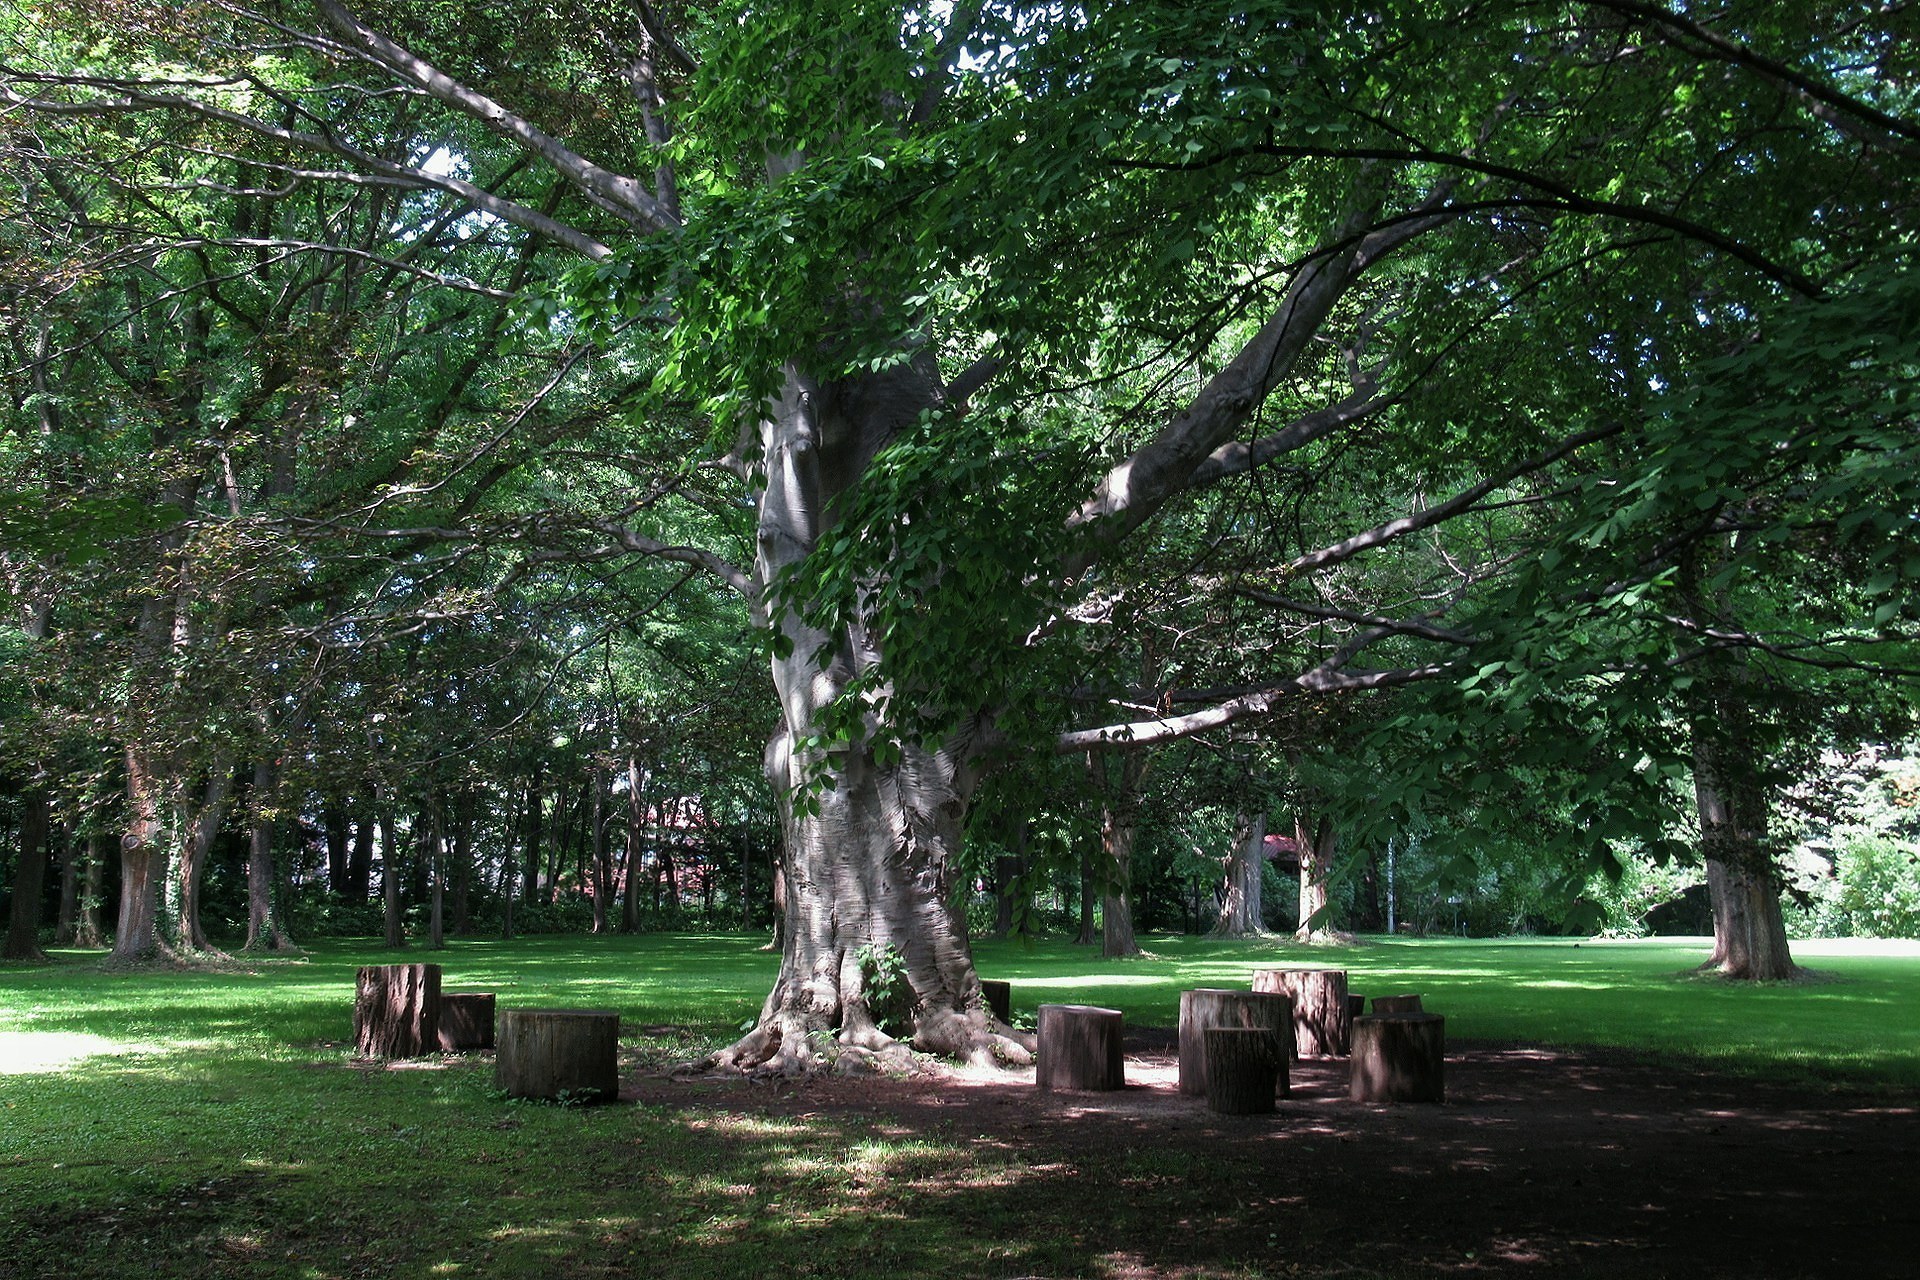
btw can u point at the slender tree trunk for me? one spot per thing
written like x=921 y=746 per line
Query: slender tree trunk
x=390 y=873
x=509 y=868
x=1317 y=850
x=602 y=863
x=334 y=818
x=29 y=880
x=462 y=854
x=558 y=842
x=435 y=845
x=143 y=865
x=636 y=834
x=1117 y=824
x=1239 y=915
x=65 y=921
x=360 y=862
x=89 y=930
x=264 y=929
x=200 y=828
x=1012 y=908
x=1088 y=935
x=536 y=819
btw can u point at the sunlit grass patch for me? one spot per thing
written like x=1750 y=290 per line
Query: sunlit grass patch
x=25 y=1053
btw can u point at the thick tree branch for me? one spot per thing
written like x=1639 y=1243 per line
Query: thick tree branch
x=1380 y=535
x=1855 y=118
x=1324 y=679
x=1134 y=491
x=1560 y=195
x=134 y=96
x=620 y=193
x=1238 y=457
x=1421 y=627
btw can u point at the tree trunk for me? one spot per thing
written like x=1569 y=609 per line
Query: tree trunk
x=1086 y=938
x=143 y=864
x=1316 y=865
x=264 y=932
x=190 y=871
x=536 y=817
x=462 y=854
x=1733 y=798
x=1240 y=887
x=396 y=933
x=334 y=819
x=602 y=863
x=636 y=834
x=871 y=859
x=435 y=844
x=89 y=931
x=360 y=862
x=1117 y=823
x=29 y=880
x=1012 y=897
x=64 y=921
x=1743 y=882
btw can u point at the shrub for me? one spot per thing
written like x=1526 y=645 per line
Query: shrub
x=1880 y=887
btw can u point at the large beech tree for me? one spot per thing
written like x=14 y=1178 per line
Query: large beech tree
x=972 y=299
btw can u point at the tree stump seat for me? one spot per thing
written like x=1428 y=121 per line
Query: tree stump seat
x=1246 y=1066
x=1206 y=1007
x=396 y=1010
x=466 y=1021
x=1397 y=1004
x=1356 y=1005
x=999 y=997
x=559 y=1055
x=1079 y=1048
x=1322 y=1013
x=1398 y=1057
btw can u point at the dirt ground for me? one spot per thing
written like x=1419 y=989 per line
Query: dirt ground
x=1541 y=1162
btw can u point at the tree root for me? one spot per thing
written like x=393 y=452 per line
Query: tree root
x=788 y=1044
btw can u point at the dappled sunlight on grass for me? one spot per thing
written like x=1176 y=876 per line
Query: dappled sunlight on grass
x=35 y=1052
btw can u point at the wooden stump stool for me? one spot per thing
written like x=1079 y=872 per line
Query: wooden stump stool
x=1397 y=1004
x=466 y=1021
x=559 y=1054
x=999 y=998
x=1356 y=1005
x=1322 y=1017
x=1216 y=1007
x=1079 y=1048
x=1244 y=1065
x=396 y=1010
x=1399 y=1057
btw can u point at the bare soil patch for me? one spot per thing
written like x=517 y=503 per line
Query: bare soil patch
x=1542 y=1162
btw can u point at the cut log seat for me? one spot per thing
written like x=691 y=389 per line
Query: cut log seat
x=1397 y=1004
x=563 y=1055
x=396 y=1010
x=466 y=1021
x=1398 y=1057
x=1322 y=1019
x=1207 y=1007
x=1079 y=1048
x=999 y=998
x=1244 y=1068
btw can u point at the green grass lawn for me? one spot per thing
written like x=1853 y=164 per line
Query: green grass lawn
x=212 y=1123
